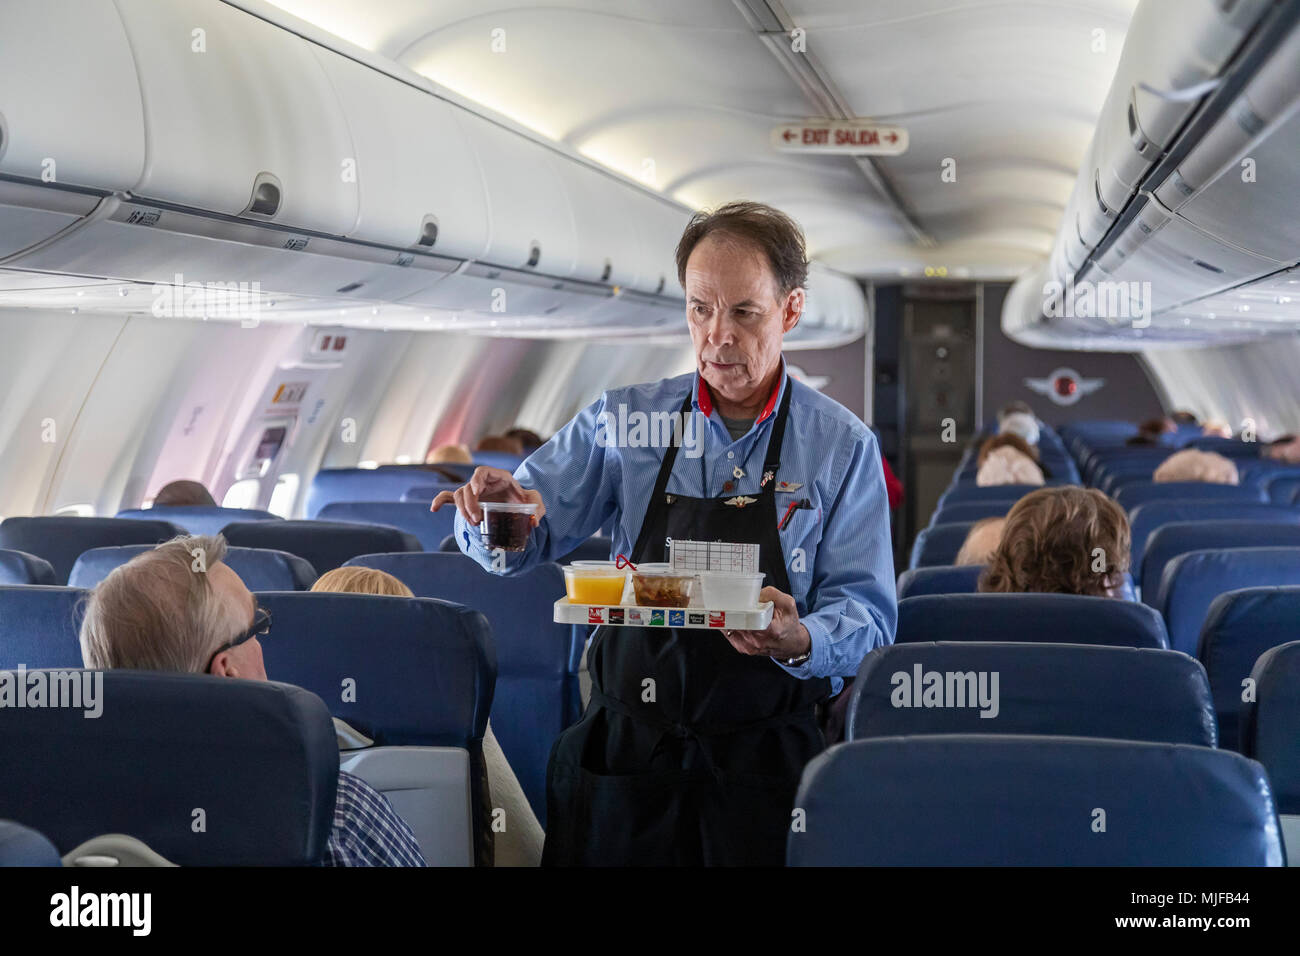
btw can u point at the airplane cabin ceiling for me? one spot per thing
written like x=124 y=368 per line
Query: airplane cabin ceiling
x=682 y=94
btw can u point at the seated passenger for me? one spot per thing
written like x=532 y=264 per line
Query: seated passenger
x=520 y=844
x=1191 y=464
x=185 y=492
x=1021 y=425
x=1216 y=428
x=156 y=613
x=530 y=440
x=449 y=455
x=511 y=446
x=1066 y=540
x=1008 y=460
x=1285 y=449
x=1016 y=407
x=1183 y=417
x=981 y=541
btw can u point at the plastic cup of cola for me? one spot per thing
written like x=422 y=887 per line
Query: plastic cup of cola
x=506 y=525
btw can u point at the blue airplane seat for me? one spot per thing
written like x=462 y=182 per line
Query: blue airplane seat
x=1192 y=581
x=969 y=511
x=39 y=626
x=537 y=660
x=19 y=567
x=1240 y=627
x=1032 y=618
x=1146 y=518
x=498 y=459
x=962 y=579
x=596 y=548
x=387 y=483
x=1010 y=800
x=1131 y=495
x=324 y=545
x=261 y=569
x=1282 y=489
x=197 y=519
x=939 y=544
x=1270 y=729
x=424 y=494
x=1179 y=537
x=964 y=493
x=60 y=539
x=256 y=762
x=415 y=675
x=1070 y=690
x=23 y=846
x=1233 y=448
x=413 y=517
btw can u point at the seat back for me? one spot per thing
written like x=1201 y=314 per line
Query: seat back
x=939 y=544
x=424 y=494
x=1129 y=496
x=60 y=539
x=1271 y=722
x=498 y=459
x=23 y=846
x=1179 y=537
x=408 y=673
x=324 y=545
x=1193 y=580
x=413 y=517
x=39 y=625
x=1239 y=628
x=205 y=770
x=386 y=483
x=970 y=511
x=537 y=660
x=939 y=579
x=1146 y=518
x=1073 y=690
x=19 y=567
x=986 y=800
x=261 y=569
x=595 y=548
x=963 y=493
x=1282 y=489
x=197 y=519
x=1031 y=618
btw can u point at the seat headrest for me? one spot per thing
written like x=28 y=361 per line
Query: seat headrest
x=386 y=483
x=1074 y=690
x=970 y=511
x=324 y=545
x=22 y=846
x=980 y=800
x=1192 y=581
x=59 y=539
x=19 y=567
x=940 y=579
x=961 y=493
x=261 y=569
x=39 y=625
x=1147 y=517
x=413 y=517
x=939 y=544
x=1271 y=723
x=519 y=608
x=205 y=770
x=424 y=494
x=403 y=671
x=197 y=519
x=1131 y=495
x=1035 y=618
x=1179 y=537
x=1240 y=626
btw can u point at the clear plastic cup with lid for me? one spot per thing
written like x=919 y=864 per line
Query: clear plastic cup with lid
x=658 y=585
x=506 y=524
x=594 y=582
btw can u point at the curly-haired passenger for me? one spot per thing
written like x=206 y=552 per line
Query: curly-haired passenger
x=1065 y=540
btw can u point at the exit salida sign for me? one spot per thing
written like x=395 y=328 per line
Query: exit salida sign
x=851 y=138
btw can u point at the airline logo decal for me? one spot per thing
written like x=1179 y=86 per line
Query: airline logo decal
x=1064 y=386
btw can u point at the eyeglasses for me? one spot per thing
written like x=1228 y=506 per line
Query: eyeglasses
x=261 y=625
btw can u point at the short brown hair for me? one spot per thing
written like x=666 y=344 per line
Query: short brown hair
x=1007 y=439
x=777 y=235
x=183 y=492
x=1050 y=540
x=355 y=580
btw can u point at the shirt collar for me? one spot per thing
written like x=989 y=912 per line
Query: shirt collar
x=704 y=400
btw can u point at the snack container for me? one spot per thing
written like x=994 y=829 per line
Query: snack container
x=658 y=585
x=506 y=525
x=594 y=582
x=730 y=589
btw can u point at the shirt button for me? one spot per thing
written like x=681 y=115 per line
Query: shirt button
x=731 y=454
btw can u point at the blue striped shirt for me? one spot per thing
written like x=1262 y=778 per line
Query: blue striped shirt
x=367 y=831
x=837 y=553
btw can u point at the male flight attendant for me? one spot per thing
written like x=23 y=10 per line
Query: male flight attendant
x=691 y=749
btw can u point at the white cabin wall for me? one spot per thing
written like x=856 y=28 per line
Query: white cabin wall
x=1259 y=381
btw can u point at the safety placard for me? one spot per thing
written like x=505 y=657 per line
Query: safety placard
x=851 y=138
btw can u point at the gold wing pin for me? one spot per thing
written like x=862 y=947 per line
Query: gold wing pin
x=740 y=501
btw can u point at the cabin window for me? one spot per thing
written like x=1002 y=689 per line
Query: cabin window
x=242 y=494
x=284 y=496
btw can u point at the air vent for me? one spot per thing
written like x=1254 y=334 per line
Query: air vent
x=607 y=271
x=267 y=193
x=660 y=287
x=428 y=231
x=351 y=287
x=1246 y=118
x=534 y=254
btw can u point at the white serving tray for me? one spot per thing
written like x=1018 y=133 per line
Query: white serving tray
x=697 y=618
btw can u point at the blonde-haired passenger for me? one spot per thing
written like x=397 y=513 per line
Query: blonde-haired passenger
x=449 y=455
x=1006 y=465
x=1191 y=464
x=521 y=842
x=1066 y=540
x=981 y=541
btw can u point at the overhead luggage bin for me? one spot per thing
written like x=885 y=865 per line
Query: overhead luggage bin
x=31 y=214
x=421 y=185
x=606 y=214
x=70 y=109
x=241 y=118
x=530 y=219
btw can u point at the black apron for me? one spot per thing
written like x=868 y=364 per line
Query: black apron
x=690 y=752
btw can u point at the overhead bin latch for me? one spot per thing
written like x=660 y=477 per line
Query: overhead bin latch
x=607 y=271
x=534 y=254
x=267 y=194
x=4 y=136
x=428 y=231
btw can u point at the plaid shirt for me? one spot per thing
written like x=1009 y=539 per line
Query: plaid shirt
x=367 y=831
